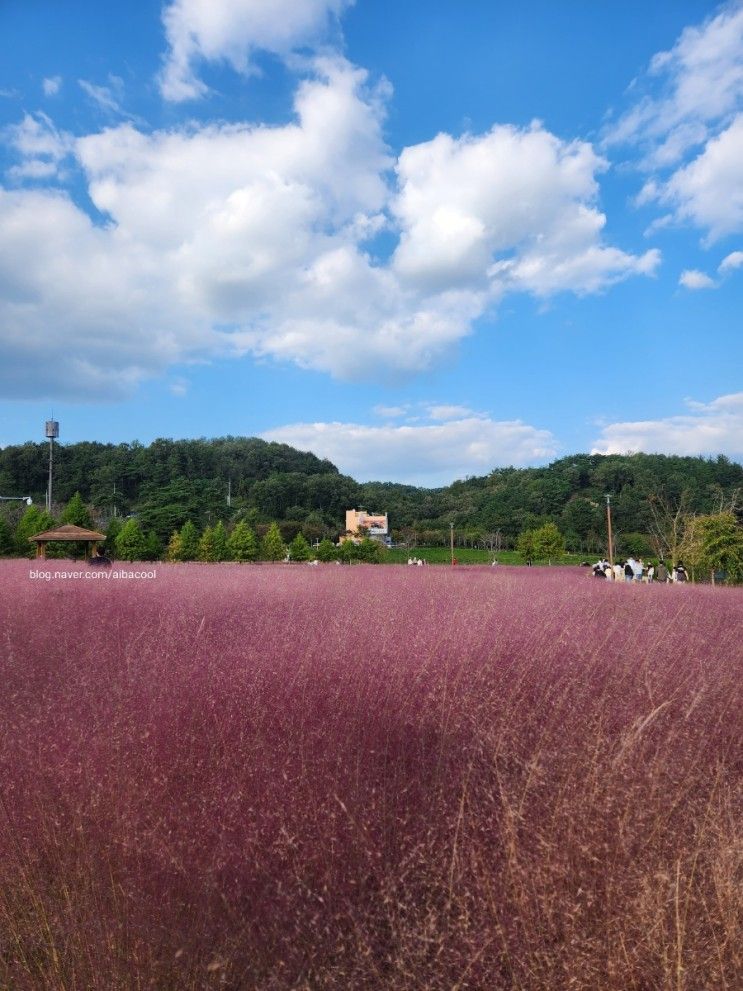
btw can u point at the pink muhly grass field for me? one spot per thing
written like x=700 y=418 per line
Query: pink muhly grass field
x=282 y=777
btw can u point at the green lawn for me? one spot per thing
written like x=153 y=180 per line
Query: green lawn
x=466 y=555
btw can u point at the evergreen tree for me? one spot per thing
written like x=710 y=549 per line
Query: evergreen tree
x=112 y=531
x=6 y=537
x=272 y=545
x=189 y=542
x=174 y=551
x=130 y=541
x=76 y=512
x=153 y=547
x=206 y=545
x=299 y=549
x=221 y=550
x=242 y=544
x=33 y=521
x=327 y=551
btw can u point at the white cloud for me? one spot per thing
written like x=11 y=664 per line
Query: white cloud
x=450 y=412
x=429 y=454
x=709 y=191
x=391 y=412
x=700 y=83
x=234 y=239
x=510 y=209
x=691 y=130
x=41 y=145
x=232 y=30
x=106 y=98
x=179 y=387
x=709 y=429
x=730 y=262
x=691 y=278
x=51 y=85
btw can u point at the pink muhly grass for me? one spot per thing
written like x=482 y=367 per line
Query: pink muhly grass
x=282 y=777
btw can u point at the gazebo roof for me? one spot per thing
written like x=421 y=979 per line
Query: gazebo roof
x=67 y=532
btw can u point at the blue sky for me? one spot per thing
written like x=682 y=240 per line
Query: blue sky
x=421 y=239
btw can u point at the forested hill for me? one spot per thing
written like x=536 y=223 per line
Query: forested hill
x=170 y=481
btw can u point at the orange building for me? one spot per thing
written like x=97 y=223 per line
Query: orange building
x=360 y=524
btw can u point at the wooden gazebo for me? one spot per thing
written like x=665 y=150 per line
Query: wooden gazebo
x=70 y=534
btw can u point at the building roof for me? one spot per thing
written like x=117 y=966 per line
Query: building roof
x=67 y=532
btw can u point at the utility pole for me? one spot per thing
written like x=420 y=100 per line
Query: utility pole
x=608 y=530
x=451 y=541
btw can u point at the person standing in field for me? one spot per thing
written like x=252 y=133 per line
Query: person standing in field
x=650 y=573
x=618 y=571
x=663 y=575
x=679 y=573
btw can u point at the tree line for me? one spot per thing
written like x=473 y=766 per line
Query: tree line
x=233 y=479
x=125 y=539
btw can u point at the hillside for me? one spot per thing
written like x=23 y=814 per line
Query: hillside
x=169 y=481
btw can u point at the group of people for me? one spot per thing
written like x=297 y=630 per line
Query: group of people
x=635 y=570
x=416 y=561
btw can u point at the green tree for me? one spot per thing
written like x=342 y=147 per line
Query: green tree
x=272 y=546
x=112 y=531
x=715 y=543
x=76 y=512
x=221 y=548
x=548 y=542
x=206 y=545
x=370 y=551
x=348 y=552
x=299 y=549
x=634 y=545
x=189 y=542
x=33 y=521
x=543 y=543
x=241 y=543
x=6 y=537
x=153 y=548
x=326 y=551
x=174 y=550
x=130 y=541
x=525 y=545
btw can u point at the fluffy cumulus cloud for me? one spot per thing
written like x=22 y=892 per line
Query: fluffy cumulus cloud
x=234 y=238
x=707 y=429
x=510 y=209
x=708 y=191
x=690 y=127
x=421 y=454
x=232 y=31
